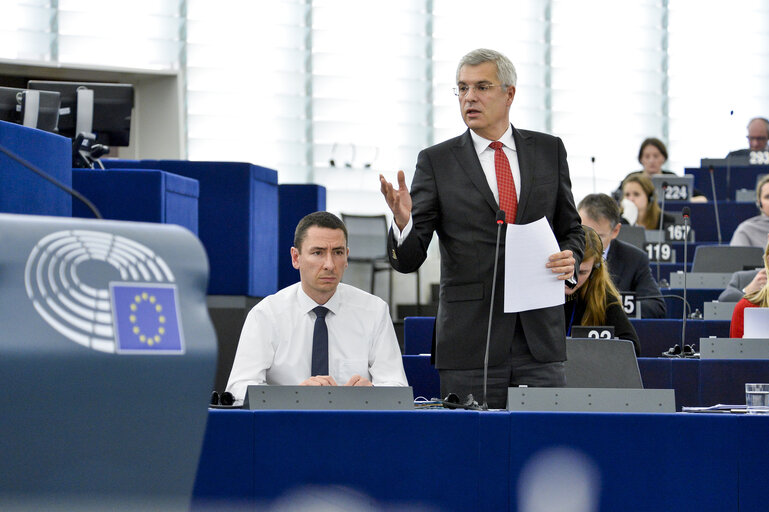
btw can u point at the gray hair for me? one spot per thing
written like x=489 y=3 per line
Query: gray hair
x=763 y=120
x=505 y=70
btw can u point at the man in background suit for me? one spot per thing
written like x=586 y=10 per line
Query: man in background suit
x=758 y=138
x=743 y=282
x=628 y=265
x=455 y=192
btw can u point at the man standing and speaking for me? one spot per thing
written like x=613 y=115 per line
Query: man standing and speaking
x=458 y=187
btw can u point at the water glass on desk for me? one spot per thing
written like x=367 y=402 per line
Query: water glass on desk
x=757 y=398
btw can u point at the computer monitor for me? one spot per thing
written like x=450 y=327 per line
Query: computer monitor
x=98 y=108
x=35 y=109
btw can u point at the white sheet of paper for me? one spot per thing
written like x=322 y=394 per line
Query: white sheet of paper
x=756 y=323
x=528 y=283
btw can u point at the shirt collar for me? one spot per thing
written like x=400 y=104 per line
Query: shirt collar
x=307 y=304
x=482 y=144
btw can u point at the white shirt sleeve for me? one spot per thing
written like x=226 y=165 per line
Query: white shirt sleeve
x=385 y=359
x=400 y=236
x=254 y=355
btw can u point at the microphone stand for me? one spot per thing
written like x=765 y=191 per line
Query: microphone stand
x=500 y=221
x=661 y=230
x=686 y=213
x=715 y=203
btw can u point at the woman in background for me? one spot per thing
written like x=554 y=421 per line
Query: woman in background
x=652 y=156
x=639 y=190
x=595 y=300
x=757 y=299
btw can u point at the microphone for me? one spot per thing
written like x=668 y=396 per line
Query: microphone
x=74 y=193
x=500 y=222
x=686 y=213
x=661 y=231
x=715 y=203
x=676 y=350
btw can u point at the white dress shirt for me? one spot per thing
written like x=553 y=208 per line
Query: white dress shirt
x=486 y=157
x=275 y=344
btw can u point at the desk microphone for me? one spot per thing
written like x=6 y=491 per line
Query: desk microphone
x=661 y=230
x=500 y=222
x=715 y=203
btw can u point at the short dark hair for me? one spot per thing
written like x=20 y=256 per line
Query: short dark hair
x=653 y=141
x=321 y=220
x=599 y=206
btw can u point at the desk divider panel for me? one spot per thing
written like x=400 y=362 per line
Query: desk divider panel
x=330 y=398
x=23 y=191
x=237 y=223
x=142 y=195
x=590 y=400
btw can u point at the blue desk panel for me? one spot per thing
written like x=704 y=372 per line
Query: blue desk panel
x=696 y=297
x=142 y=195
x=294 y=202
x=237 y=223
x=464 y=460
x=727 y=181
x=23 y=191
x=703 y=218
x=657 y=335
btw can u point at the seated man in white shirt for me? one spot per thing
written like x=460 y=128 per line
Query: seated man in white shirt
x=276 y=343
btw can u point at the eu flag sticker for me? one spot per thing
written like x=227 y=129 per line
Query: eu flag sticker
x=146 y=318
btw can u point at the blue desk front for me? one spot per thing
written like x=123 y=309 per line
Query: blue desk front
x=460 y=460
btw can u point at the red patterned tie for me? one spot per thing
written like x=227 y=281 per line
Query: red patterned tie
x=508 y=200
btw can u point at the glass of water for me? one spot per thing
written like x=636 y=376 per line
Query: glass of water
x=757 y=398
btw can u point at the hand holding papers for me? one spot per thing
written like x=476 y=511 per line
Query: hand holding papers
x=528 y=283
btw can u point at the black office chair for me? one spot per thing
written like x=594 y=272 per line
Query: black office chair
x=725 y=258
x=367 y=239
x=596 y=363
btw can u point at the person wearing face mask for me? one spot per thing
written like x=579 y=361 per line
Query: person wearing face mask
x=595 y=300
x=639 y=190
x=652 y=156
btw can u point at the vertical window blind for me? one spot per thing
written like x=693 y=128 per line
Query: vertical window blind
x=297 y=83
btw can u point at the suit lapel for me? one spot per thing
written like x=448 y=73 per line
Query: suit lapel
x=524 y=147
x=464 y=151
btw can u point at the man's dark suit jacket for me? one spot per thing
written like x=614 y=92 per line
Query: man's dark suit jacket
x=451 y=196
x=739 y=280
x=629 y=269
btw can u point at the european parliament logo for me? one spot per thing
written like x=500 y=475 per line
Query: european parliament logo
x=146 y=319
x=105 y=292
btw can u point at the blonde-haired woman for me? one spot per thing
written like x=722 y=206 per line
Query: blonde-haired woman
x=757 y=299
x=595 y=300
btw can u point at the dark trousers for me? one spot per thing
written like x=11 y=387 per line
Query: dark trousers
x=520 y=369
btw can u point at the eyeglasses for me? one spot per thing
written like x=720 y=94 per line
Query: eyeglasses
x=462 y=90
x=758 y=139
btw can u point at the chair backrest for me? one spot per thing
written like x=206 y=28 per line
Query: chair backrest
x=366 y=236
x=634 y=235
x=596 y=363
x=725 y=258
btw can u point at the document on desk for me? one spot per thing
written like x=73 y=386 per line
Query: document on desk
x=528 y=283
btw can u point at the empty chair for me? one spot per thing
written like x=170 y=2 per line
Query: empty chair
x=367 y=240
x=725 y=258
x=596 y=363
